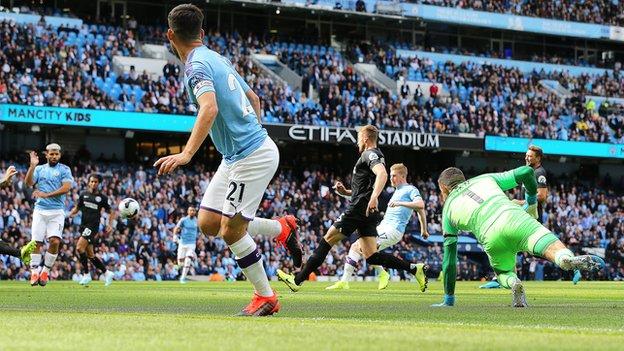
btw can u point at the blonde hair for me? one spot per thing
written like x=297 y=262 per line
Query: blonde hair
x=371 y=132
x=399 y=168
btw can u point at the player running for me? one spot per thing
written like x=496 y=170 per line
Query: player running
x=187 y=226
x=404 y=201
x=480 y=206
x=53 y=180
x=6 y=249
x=91 y=203
x=230 y=112
x=369 y=179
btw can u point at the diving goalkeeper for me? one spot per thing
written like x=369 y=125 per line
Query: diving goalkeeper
x=480 y=206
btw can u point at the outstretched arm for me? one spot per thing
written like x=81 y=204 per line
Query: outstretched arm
x=449 y=270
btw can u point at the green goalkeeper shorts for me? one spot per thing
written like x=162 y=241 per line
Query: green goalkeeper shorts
x=515 y=231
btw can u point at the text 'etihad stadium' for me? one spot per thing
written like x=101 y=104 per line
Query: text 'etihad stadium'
x=343 y=135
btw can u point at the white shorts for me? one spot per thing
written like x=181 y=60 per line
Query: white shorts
x=47 y=224
x=387 y=236
x=186 y=250
x=239 y=187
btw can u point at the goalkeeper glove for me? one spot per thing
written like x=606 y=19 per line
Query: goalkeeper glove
x=530 y=205
x=449 y=300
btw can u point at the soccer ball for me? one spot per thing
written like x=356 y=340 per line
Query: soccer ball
x=128 y=208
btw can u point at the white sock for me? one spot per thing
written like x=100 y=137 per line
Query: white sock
x=349 y=270
x=187 y=266
x=85 y=275
x=48 y=261
x=35 y=262
x=266 y=227
x=562 y=259
x=353 y=258
x=247 y=255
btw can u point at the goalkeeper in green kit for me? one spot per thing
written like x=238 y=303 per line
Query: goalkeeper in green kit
x=480 y=206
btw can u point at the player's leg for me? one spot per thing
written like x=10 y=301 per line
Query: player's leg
x=189 y=255
x=368 y=243
x=502 y=258
x=551 y=248
x=38 y=233
x=97 y=263
x=331 y=238
x=247 y=181
x=283 y=230
x=351 y=263
x=81 y=248
x=54 y=230
x=6 y=249
x=387 y=237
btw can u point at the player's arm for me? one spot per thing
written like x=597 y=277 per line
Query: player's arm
x=31 y=177
x=524 y=175
x=449 y=268
x=542 y=187
x=449 y=262
x=422 y=219
x=342 y=190
x=64 y=189
x=255 y=103
x=206 y=115
x=112 y=215
x=414 y=205
x=381 y=177
x=5 y=181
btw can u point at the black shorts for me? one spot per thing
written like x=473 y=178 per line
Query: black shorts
x=349 y=222
x=89 y=233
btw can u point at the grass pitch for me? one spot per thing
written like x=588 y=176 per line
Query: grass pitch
x=199 y=316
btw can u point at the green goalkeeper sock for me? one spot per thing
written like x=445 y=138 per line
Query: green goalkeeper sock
x=507 y=279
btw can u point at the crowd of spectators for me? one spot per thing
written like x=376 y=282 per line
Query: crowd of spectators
x=492 y=99
x=609 y=12
x=581 y=213
x=43 y=66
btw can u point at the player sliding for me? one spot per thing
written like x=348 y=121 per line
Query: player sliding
x=6 y=249
x=91 y=203
x=480 y=206
x=230 y=111
x=405 y=199
x=187 y=227
x=369 y=179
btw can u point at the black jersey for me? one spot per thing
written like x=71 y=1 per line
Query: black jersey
x=363 y=179
x=91 y=206
x=542 y=182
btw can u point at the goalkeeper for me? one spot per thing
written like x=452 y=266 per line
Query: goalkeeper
x=480 y=206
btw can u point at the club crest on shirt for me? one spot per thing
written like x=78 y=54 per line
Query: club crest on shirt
x=373 y=156
x=98 y=199
x=541 y=179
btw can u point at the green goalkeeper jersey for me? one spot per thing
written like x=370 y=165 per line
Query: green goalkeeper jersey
x=475 y=204
x=479 y=204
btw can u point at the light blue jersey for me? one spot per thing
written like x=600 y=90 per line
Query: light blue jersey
x=398 y=217
x=188 y=230
x=236 y=131
x=49 y=179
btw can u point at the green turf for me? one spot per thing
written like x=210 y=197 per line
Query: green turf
x=199 y=316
